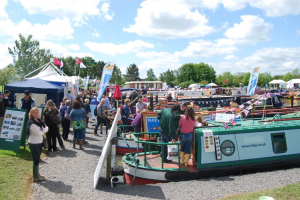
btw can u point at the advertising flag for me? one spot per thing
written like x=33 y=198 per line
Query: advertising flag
x=253 y=81
x=106 y=75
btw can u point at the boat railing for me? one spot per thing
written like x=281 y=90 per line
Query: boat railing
x=155 y=143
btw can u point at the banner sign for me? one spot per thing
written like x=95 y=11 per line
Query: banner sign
x=220 y=117
x=253 y=81
x=106 y=75
x=86 y=82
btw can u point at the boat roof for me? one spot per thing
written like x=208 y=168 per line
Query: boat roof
x=250 y=126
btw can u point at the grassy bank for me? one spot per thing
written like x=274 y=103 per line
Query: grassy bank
x=289 y=192
x=15 y=174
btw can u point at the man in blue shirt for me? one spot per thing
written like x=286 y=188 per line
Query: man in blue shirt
x=106 y=104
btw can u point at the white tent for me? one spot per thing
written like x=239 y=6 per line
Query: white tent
x=212 y=85
x=52 y=74
x=278 y=82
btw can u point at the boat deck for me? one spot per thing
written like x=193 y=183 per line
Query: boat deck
x=156 y=161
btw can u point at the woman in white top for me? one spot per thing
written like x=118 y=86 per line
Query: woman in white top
x=35 y=130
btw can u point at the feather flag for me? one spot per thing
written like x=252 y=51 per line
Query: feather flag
x=56 y=62
x=226 y=126
x=78 y=61
x=232 y=122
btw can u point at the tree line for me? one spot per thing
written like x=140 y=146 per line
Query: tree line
x=28 y=56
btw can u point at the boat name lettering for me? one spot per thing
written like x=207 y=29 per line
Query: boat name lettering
x=254 y=145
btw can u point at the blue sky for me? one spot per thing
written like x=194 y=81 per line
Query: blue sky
x=230 y=35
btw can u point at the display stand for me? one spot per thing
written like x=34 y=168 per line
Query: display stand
x=13 y=130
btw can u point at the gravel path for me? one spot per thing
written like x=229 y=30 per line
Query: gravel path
x=69 y=175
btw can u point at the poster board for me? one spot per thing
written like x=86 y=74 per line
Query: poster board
x=13 y=130
x=41 y=109
x=39 y=98
x=150 y=122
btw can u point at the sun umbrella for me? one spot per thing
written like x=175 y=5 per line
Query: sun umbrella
x=117 y=94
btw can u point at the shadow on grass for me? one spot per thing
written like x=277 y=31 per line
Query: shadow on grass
x=56 y=186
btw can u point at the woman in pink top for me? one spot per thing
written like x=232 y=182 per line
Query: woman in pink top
x=187 y=123
x=145 y=99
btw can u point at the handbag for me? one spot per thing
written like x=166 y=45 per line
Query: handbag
x=67 y=116
x=178 y=131
x=53 y=117
x=45 y=143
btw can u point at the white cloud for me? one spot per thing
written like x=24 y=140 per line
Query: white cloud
x=5 y=57
x=158 y=61
x=105 y=10
x=277 y=8
x=56 y=29
x=77 y=10
x=231 y=57
x=105 y=7
x=202 y=48
x=58 y=50
x=113 y=49
x=252 y=29
x=4 y=19
x=95 y=34
x=272 y=8
x=274 y=60
x=169 y=20
x=73 y=46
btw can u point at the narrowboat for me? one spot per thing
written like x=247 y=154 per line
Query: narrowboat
x=250 y=146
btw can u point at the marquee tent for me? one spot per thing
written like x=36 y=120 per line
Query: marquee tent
x=278 y=83
x=54 y=75
x=38 y=86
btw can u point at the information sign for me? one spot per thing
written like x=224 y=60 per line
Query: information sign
x=225 y=118
x=13 y=130
x=208 y=141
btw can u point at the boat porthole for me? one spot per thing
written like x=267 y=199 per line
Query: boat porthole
x=227 y=148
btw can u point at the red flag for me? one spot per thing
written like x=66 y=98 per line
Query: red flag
x=56 y=62
x=78 y=61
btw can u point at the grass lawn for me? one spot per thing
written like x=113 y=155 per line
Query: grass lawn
x=15 y=174
x=289 y=192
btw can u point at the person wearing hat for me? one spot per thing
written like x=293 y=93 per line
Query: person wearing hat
x=27 y=102
x=2 y=109
x=140 y=105
x=6 y=101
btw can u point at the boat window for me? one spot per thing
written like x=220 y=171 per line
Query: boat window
x=227 y=148
x=279 y=142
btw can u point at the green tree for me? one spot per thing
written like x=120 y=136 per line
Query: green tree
x=168 y=77
x=7 y=75
x=150 y=75
x=296 y=73
x=116 y=77
x=278 y=77
x=225 y=79
x=132 y=73
x=28 y=55
x=246 y=79
x=288 y=76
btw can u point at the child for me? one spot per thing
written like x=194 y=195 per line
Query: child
x=199 y=121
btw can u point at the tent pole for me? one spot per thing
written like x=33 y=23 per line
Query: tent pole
x=35 y=70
